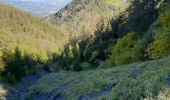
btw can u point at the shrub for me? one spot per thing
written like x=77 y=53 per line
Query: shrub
x=16 y=65
x=76 y=65
x=158 y=49
x=86 y=54
x=30 y=64
x=93 y=57
x=43 y=57
x=127 y=50
x=165 y=17
x=10 y=78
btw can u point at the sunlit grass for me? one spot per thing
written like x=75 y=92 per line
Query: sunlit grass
x=138 y=80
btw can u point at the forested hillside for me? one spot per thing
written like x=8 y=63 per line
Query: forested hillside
x=96 y=49
x=20 y=28
x=85 y=16
x=129 y=38
x=141 y=35
x=24 y=41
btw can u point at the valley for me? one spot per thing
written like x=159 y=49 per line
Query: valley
x=88 y=50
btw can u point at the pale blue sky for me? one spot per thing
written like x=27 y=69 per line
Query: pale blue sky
x=38 y=7
x=43 y=0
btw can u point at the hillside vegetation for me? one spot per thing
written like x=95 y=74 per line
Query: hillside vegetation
x=127 y=39
x=148 y=80
x=110 y=49
x=85 y=16
x=20 y=28
x=136 y=39
x=25 y=41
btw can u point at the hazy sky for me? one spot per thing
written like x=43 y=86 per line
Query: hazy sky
x=38 y=7
x=43 y=0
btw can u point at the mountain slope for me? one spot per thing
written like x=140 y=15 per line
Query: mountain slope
x=119 y=40
x=135 y=81
x=21 y=29
x=143 y=80
x=85 y=16
x=144 y=33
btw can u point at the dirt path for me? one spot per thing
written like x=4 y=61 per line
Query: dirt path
x=27 y=82
x=20 y=91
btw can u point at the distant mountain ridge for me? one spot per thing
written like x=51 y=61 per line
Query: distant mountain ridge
x=38 y=8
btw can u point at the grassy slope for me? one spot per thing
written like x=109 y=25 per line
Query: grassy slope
x=138 y=80
x=20 y=28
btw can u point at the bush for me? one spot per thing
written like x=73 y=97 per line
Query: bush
x=43 y=57
x=30 y=64
x=158 y=49
x=77 y=66
x=16 y=65
x=10 y=78
x=164 y=18
x=127 y=50
x=93 y=57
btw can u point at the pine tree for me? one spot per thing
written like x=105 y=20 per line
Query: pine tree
x=1 y=61
x=77 y=58
x=109 y=27
x=70 y=54
x=77 y=51
x=15 y=65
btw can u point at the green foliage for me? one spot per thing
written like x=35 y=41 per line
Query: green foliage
x=10 y=78
x=76 y=65
x=83 y=16
x=77 y=51
x=160 y=47
x=16 y=65
x=127 y=50
x=69 y=52
x=106 y=29
x=112 y=31
x=71 y=57
x=29 y=32
x=77 y=58
x=93 y=57
x=86 y=54
x=43 y=57
x=138 y=81
x=164 y=18
x=94 y=51
x=30 y=64
x=36 y=41
x=139 y=16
